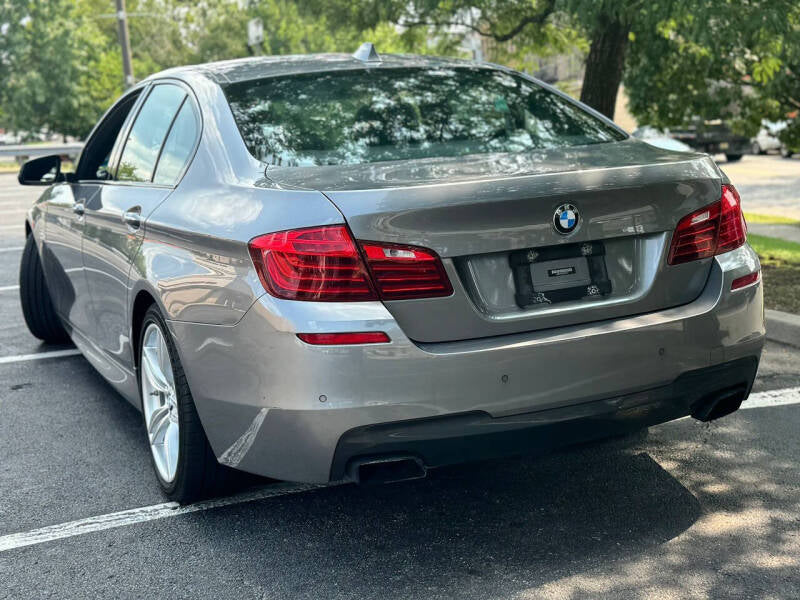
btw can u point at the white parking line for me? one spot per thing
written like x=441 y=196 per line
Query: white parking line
x=141 y=515
x=5 y=360
x=172 y=509
x=12 y=249
x=773 y=398
x=9 y=288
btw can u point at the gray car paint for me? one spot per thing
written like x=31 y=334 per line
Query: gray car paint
x=257 y=387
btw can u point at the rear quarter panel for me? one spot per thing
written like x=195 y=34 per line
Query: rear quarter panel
x=194 y=258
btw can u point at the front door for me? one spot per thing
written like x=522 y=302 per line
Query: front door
x=61 y=253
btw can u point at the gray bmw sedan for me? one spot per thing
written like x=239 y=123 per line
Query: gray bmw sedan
x=333 y=267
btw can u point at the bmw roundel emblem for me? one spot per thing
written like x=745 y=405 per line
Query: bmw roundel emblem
x=566 y=219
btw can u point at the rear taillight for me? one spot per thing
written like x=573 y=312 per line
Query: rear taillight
x=711 y=230
x=404 y=272
x=325 y=264
x=319 y=263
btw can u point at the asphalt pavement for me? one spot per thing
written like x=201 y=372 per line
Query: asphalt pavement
x=768 y=184
x=690 y=511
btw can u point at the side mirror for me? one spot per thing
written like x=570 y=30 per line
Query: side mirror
x=41 y=171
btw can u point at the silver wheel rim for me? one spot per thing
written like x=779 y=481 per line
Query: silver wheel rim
x=160 y=402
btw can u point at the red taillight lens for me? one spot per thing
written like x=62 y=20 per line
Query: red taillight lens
x=711 y=230
x=732 y=228
x=320 y=263
x=404 y=272
x=338 y=339
x=324 y=264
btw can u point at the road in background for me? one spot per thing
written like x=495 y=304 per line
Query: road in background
x=768 y=185
x=692 y=510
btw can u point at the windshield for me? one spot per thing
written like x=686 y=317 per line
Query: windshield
x=365 y=116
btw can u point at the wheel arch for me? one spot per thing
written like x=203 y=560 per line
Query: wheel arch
x=143 y=299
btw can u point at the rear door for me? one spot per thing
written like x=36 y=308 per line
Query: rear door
x=151 y=160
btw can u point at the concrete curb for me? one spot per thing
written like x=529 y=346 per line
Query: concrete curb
x=783 y=327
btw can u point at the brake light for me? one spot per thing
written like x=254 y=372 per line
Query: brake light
x=324 y=264
x=404 y=272
x=319 y=263
x=732 y=227
x=711 y=230
x=339 y=339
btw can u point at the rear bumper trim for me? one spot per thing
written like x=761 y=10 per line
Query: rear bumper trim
x=451 y=439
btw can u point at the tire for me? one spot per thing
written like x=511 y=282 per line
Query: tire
x=786 y=153
x=756 y=149
x=37 y=306
x=197 y=474
x=733 y=157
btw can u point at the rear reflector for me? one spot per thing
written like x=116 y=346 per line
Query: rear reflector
x=745 y=281
x=711 y=230
x=334 y=339
x=405 y=272
x=324 y=264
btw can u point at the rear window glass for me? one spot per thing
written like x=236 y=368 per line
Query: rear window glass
x=364 y=116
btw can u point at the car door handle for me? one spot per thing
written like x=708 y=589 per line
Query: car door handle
x=79 y=209
x=133 y=217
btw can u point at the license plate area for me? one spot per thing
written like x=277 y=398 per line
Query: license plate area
x=556 y=274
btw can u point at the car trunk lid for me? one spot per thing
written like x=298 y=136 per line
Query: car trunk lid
x=491 y=217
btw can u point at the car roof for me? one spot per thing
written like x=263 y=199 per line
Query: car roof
x=258 y=67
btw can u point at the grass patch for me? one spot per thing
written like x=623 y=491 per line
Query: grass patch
x=780 y=264
x=769 y=219
x=9 y=167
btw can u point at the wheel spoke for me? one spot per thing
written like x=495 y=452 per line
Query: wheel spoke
x=164 y=362
x=159 y=421
x=153 y=370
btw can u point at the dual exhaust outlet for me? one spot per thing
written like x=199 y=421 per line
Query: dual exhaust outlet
x=377 y=470
x=388 y=469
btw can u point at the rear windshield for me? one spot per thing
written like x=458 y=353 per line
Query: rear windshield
x=372 y=115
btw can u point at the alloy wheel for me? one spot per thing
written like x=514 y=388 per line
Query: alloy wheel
x=160 y=402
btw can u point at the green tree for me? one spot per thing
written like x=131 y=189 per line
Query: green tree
x=741 y=64
x=45 y=58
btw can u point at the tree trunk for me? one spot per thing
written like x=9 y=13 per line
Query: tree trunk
x=604 y=66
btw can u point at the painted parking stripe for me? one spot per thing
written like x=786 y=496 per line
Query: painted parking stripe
x=12 y=249
x=142 y=515
x=173 y=509
x=5 y=360
x=8 y=288
x=773 y=398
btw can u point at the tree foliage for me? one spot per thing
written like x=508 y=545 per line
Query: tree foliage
x=60 y=64
x=741 y=64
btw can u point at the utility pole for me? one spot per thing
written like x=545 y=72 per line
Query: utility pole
x=125 y=43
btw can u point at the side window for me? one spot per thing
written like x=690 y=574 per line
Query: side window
x=93 y=163
x=148 y=132
x=178 y=146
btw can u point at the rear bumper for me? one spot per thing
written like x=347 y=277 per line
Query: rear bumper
x=452 y=439
x=272 y=405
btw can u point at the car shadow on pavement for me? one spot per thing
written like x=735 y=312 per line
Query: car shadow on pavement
x=462 y=532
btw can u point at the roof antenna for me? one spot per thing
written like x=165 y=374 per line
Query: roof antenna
x=367 y=53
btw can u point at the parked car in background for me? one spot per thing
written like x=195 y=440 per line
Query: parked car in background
x=660 y=139
x=713 y=137
x=767 y=138
x=353 y=267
